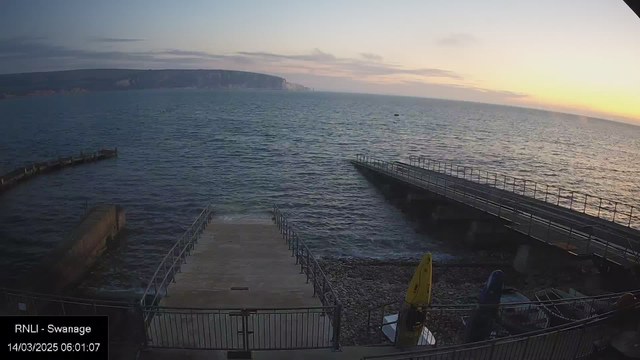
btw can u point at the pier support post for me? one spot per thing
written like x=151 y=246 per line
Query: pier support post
x=522 y=261
x=534 y=256
x=448 y=213
x=484 y=233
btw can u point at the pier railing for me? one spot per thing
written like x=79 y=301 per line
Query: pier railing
x=599 y=207
x=310 y=267
x=570 y=235
x=172 y=262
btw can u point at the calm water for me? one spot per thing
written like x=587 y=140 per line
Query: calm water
x=243 y=151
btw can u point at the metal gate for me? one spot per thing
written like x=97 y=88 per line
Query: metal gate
x=243 y=329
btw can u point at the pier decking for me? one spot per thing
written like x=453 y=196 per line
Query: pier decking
x=240 y=289
x=243 y=265
x=23 y=173
x=579 y=233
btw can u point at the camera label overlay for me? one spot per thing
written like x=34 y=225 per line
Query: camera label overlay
x=48 y=337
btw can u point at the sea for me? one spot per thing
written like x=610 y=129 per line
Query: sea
x=244 y=151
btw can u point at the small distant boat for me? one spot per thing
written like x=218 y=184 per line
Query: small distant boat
x=563 y=312
x=523 y=316
x=396 y=114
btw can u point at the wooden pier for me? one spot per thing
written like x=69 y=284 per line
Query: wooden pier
x=24 y=173
x=578 y=232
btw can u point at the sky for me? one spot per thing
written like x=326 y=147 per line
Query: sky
x=576 y=56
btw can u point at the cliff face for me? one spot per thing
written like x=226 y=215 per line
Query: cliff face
x=121 y=79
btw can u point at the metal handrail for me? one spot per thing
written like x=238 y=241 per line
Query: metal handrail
x=461 y=192
x=578 y=201
x=184 y=245
x=595 y=305
x=321 y=284
x=425 y=353
x=534 y=302
x=304 y=256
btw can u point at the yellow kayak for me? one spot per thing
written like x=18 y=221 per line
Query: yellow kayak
x=413 y=312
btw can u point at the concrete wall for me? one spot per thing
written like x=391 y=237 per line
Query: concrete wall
x=69 y=262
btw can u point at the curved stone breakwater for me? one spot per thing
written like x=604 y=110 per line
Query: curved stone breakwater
x=363 y=283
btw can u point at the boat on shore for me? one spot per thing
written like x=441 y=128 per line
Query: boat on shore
x=563 y=307
x=522 y=316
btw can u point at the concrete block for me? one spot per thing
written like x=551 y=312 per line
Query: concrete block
x=69 y=262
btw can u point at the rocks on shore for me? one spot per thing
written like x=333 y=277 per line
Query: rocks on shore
x=362 y=284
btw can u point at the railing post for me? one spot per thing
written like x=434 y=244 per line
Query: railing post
x=526 y=347
x=584 y=329
x=599 y=207
x=336 y=327
x=315 y=282
x=145 y=335
x=493 y=346
x=630 y=216
x=615 y=209
x=307 y=266
x=571 y=203
x=293 y=245
x=324 y=291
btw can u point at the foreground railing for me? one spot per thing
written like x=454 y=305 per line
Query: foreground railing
x=571 y=235
x=565 y=342
x=602 y=208
x=172 y=262
x=242 y=329
x=458 y=324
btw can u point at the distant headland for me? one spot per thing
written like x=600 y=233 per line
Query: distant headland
x=75 y=81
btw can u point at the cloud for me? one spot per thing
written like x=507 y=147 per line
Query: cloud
x=456 y=39
x=205 y=55
x=370 y=56
x=347 y=66
x=21 y=54
x=114 y=40
x=35 y=54
x=407 y=88
x=497 y=93
x=316 y=55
